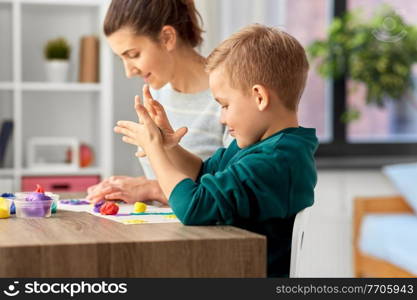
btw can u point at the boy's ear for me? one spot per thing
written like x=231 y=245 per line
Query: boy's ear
x=261 y=96
x=168 y=37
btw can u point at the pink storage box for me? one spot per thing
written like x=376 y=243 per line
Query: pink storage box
x=59 y=183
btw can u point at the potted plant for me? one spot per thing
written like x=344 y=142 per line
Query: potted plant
x=379 y=53
x=57 y=52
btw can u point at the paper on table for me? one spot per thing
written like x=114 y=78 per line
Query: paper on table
x=124 y=215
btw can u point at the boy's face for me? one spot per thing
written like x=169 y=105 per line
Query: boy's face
x=142 y=57
x=239 y=112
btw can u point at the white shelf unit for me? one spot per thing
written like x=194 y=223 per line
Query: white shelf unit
x=74 y=87
x=5 y=86
x=39 y=108
x=82 y=172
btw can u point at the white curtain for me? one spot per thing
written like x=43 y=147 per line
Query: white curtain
x=221 y=18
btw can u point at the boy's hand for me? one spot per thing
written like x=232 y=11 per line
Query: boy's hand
x=157 y=112
x=141 y=134
x=146 y=132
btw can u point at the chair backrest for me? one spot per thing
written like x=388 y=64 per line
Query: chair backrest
x=300 y=223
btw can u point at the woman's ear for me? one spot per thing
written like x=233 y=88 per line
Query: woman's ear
x=168 y=37
x=261 y=96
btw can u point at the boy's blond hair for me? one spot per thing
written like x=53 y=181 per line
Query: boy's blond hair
x=263 y=55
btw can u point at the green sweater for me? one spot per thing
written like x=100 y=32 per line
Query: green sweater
x=259 y=188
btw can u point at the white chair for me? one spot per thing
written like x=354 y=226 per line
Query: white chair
x=300 y=223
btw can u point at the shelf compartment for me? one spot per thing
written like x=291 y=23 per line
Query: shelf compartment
x=6 y=86
x=68 y=184
x=93 y=171
x=6 y=172
x=6 y=29
x=6 y=114
x=6 y=181
x=62 y=114
x=69 y=87
x=62 y=2
x=41 y=23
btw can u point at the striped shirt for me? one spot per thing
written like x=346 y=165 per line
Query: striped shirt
x=200 y=113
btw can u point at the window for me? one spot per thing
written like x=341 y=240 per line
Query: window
x=397 y=120
x=325 y=101
x=368 y=142
x=307 y=21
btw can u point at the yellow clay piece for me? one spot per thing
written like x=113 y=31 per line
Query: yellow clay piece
x=4 y=208
x=139 y=207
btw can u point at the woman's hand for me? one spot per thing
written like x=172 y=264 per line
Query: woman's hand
x=128 y=189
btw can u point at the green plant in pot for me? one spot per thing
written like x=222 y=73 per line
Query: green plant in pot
x=57 y=53
x=379 y=53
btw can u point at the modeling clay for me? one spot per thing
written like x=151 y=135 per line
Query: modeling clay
x=37 y=204
x=38 y=195
x=4 y=208
x=10 y=196
x=98 y=205
x=12 y=208
x=55 y=200
x=54 y=207
x=74 y=201
x=40 y=189
x=139 y=207
x=109 y=208
x=7 y=195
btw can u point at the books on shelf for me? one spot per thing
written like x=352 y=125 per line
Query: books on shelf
x=89 y=59
x=5 y=136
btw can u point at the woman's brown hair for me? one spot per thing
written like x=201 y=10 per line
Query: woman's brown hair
x=147 y=17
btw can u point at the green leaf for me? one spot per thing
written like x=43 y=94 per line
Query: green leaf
x=350 y=116
x=378 y=52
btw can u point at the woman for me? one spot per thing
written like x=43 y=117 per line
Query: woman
x=156 y=40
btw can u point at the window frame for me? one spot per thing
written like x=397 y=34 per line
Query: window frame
x=365 y=154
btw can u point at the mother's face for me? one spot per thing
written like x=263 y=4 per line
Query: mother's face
x=142 y=56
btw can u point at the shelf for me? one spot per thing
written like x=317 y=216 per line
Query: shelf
x=74 y=87
x=6 y=172
x=53 y=109
x=6 y=85
x=62 y=2
x=6 y=41
x=58 y=172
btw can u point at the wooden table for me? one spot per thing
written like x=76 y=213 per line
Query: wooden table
x=72 y=244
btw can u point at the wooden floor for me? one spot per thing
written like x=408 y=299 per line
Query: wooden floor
x=328 y=238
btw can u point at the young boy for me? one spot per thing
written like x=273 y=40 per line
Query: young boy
x=268 y=173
